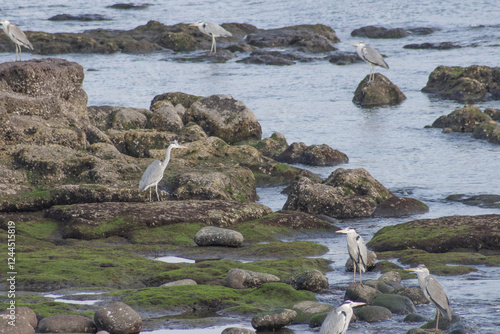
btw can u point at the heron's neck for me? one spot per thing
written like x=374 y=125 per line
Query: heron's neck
x=167 y=155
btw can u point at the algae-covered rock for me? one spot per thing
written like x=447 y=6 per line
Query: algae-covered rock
x=216 y=236
x=465 y=84
x=379 y=32
x=315 y=155
x=378 y=92
x=361 y=293
x=374 y=313
x=396 y=303
x=244 y=279
x=274 y=320
x=313 y=280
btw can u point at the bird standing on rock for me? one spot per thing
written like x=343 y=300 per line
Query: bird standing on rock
x=357 y=251
x=433 y=291
x=213 y=30
x=17 y=36
x=154 y=173
x=372 y=57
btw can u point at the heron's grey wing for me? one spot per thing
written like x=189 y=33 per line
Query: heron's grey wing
x=18 y=35
x=363 y=252
x=216 y=30
x=336 y=322
x=438 y=296
x=371 y=55
x=152 y=175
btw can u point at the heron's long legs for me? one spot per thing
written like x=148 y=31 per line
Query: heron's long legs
x=158 y=196
x=437 y=319
x=213 y=49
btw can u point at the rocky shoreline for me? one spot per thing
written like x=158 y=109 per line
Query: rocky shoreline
x=69 y=176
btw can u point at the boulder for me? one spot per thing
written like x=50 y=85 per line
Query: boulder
x=379 y=32
x=67 y=324
x=312 y=280
x=343 y=58
x=186 y=281
x=176 y=98
x=493 y=113
x=440 y=235
x=361 y=293
x=309 y=38
x=379 y=285
x=245 y=279
x=314 y=155
x=237 y=330
x=311 y=307
x=435 y=46
x=396 y=303
x=400 y=206
x=118 y=118
x=12 y=325
x=82 y=17
x=483 y=200
x=273 y=321
x=390 y=277
x=276 y=58
x=273 y=146
x=414 y=317
x=379 y=92
x=373 y=313
x=118 y=318
x=221 y=56
x=465 y=84
x=216 y=236
x=22 y=314
x=415 y=294
x=224 y=117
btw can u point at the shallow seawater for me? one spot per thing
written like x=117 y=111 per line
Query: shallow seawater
x=312 y=103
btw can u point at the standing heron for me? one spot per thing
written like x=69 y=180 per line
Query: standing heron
x=17 y=36
x=337 y=321
x=357 y=251
x=372 y=57
x=213 y=30
x=154 y=173
x=433 y=291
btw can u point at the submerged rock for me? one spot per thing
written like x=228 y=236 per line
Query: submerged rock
x=465 y=84
x=436 y=46
x=379 y=32
x=379 y=92
x=484 y=201
x=81 y=17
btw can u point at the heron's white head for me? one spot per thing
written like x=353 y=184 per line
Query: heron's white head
x=175 y=144
x=197 y=24
x=421 y=268
x=4 y=22
x=352 y=304
x=347 y=230
x=359 y=44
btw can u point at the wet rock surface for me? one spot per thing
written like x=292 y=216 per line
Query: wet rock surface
x=216 y=236
x=379 y=32
x=67 y=324
x=313 y=280
x=273 y=321
x=434 y=46
x=245 y=279
x=315 y=155
x=118 y=318
x=379 y=92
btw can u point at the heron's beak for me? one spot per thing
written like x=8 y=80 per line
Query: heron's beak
x=193 y=25
x=355 y=44
x=411 y=269
x=341 y=231
x=358 y=304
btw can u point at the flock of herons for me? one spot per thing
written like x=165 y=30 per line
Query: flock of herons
x=337 y=321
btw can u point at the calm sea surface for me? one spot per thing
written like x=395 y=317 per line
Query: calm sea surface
x=311 y=103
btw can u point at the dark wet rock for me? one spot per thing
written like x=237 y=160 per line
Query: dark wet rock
x=390 y=277
x=372 y=258
x=246 y=279
x=373 y=313
x=166 y=117
x=129 y=6
x=414 y=317
x=271 y=147
x=221 y=56
x=440 y=234
x=396 y=303
x=81 y=17
x=313 y=280
x=379 y=32
x=343 y=58
x=400 y=206
x=309 y=38
x=21 y=326
x=415 y=294
x=237 y=330
x=470 y=119
x=267 y=60
x=361 y=293
x=297 y=221
x=493 y=113
x=94 y=220
x=484 y=201
x=273 y=321
x=465 y=84
x=421 y=31
x=224 y=117
x=118 y=318
x=379 y=92
x=186 y=281
x=314 y=155
x=67 y=324
x=379 y=285
x=435 y=46
x=216 y=236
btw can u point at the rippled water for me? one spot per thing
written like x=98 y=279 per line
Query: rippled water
x=311 y=103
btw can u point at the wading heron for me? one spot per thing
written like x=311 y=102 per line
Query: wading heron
x=337 y=321
x=433 y=291
x=372 y=57
x=17 y=36
x=154 y=173
x=213 y=30
x=357 y=251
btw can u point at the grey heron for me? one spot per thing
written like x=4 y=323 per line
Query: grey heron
x=17 y=36
x=337 y=321
x=433 y=291
x=213 y=30
x=372 y=57
x=154 y=173
x=357 y=251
